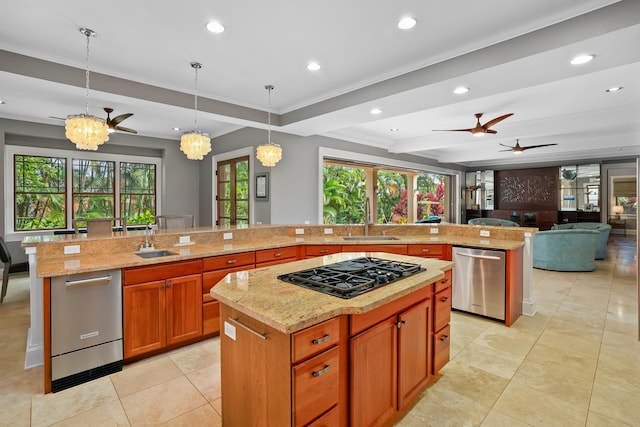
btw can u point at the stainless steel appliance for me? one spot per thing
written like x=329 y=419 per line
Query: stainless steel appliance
x=347 y=279
x=479 y=282
x=86 y=327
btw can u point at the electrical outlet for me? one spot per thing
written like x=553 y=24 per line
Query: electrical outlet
x=299 y=230
x=485 y=233
x=71 y=249
x=185 y=239
x=328 y=231
x=434 y=230
x=227 y=236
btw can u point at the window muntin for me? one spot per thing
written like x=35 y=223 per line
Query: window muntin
x=138 y=192
x=93 y=188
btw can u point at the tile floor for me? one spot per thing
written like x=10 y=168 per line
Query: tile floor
x=576 y=362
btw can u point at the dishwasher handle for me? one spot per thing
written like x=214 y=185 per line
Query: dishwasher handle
x=491 y=257
x=88 y=282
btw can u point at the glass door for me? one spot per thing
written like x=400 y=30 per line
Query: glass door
x=233 y=192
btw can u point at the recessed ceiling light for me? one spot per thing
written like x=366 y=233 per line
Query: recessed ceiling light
x=176 y=129
x=215 y=27
x=376 y=111
x=460 y=90
x=614 y=89
x=582 y=59
x=313 y=66
x=394 y=129
x=2 y=102
x=407 y=23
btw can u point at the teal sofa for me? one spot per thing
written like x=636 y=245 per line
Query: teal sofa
x=565 y=250
x=604 y=229
x=493 y=221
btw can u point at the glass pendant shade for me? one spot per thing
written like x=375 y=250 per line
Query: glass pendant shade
x=269 y=154
x=195 y=145
x=86 y=131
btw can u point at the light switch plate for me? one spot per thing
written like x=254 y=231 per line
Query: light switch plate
x=434 y=230
x=230 y=330
x=485 y=233
x=299 y=230
x=71 y=249
x=227 y=236
x=185 y=239
x=328 y=231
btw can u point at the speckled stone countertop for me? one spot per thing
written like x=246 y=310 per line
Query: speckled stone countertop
x=289 y=308
x=118 y=250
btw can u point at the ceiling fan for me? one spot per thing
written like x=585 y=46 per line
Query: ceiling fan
x=480 y=129
x=518 y=149
x=114 y=124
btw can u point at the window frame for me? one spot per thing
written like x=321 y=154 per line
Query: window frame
x=9 y=181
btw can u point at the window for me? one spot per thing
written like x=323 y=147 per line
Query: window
x=40 y=193
x=47 y=192
x=233 y=192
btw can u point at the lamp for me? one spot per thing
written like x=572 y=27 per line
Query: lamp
x=269 y=154
x=617 y=210
x=84 y=130
x=194 y=144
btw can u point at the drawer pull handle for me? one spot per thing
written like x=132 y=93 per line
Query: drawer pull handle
x=246 y=328
x=321 y=371
x=232 y=261
x=277 y=254
x=426 y=250
x=444 y=338
x=445 y=281
x=401 y=324
x=324 y=251
x=445 y=299
x=317 y=341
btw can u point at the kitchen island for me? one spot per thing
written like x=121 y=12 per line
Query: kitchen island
x=294 y=356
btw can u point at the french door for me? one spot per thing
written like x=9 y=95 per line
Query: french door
x=233 y=191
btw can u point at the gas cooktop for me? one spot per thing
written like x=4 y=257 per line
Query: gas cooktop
x=347 y=279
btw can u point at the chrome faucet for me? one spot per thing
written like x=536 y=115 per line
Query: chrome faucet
x=147 y=232
x=367 y=216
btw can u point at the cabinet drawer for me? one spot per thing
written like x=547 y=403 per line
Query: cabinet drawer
x=210 y=317
x=211 y=278
x=268 y=255
x=228 y=261
x=428 y=251
x=444 y=282
x=330 y=419
x=134 y=275
x=391 y=249
x=441 y=348
x=316 y=386
x=442 y=309
x=320 y=250
x=314 y=339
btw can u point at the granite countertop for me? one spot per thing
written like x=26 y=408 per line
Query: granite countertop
x=289 y=308
x=125 y=253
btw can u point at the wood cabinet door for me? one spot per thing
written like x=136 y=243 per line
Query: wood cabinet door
x=184 y=308
x=144 y=318
x=414 y=351
x=374 y=374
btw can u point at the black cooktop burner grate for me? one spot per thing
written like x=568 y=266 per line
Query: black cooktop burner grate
x=350 y=278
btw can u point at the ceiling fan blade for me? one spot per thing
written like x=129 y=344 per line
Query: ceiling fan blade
x=510 y=149
x=57 y=118
x=453 y=130
x=491 y=131
x=537 y=146
x=116 y=120
x=496 y=120
x=504 y=145
x=123 y=129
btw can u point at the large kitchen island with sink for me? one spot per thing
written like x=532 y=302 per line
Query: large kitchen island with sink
x=294 y=356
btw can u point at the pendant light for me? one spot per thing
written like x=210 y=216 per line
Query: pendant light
x=194 y=144
x=269 y=154
x=84 y=130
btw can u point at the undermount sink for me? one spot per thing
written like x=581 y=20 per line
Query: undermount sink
x=370 y=238
x=155 y=254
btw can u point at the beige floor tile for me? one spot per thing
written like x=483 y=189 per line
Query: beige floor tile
x=622 y=327
x=476 y=384
x=107 y=415
x=162 y=402
x=618 y=401
x=440 y=406
x=204 y=416
x=140 y=376
x=54 y=407
x=197 y=356
x=556 y=380
x=532 y=325
x=207 y=381
x=569 y=359
x=486 y=359
x=496 y=418
x=16 y=415
x=217 y=405
x=506 y=342
x=570 y=344
x=534 y=407
x=575 y=329
x=598 y=420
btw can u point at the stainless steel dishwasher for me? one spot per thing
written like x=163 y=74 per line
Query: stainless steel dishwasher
x=479 y=282
x=86 y=327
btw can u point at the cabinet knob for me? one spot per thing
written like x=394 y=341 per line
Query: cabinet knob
x=317 y=341
x=321 y=371
x=169 y=285
x=426 y=250
x=161 y=286
x=232 y=261
x=401 y=324
x=445 y=281
x=324 y=251
x=445 y=299
x=444 y=338
x=277 y=254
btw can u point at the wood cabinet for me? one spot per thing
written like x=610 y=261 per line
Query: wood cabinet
x=441 y=319
x=392 y=249
x=391 y=359
x=436 y=250
x=311 y=251
x=162 y=306
x=267 y=257
x=214 y=270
